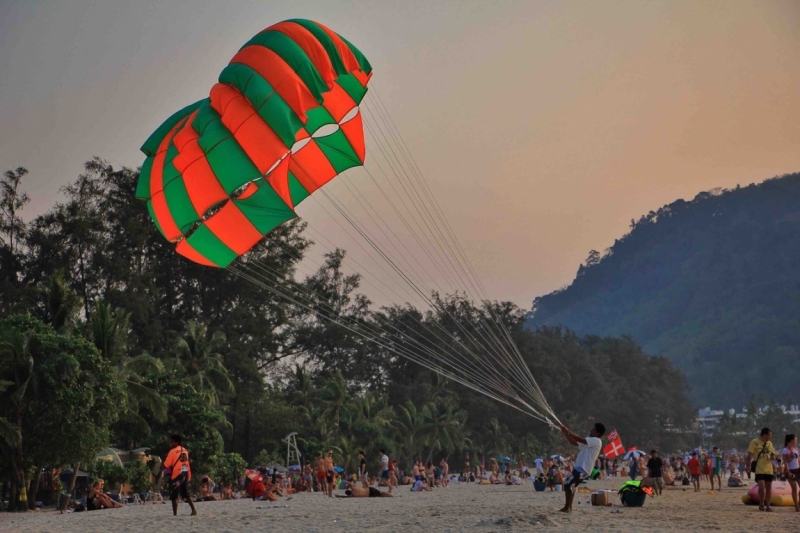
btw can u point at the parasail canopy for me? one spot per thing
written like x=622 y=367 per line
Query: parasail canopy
x=282 y=121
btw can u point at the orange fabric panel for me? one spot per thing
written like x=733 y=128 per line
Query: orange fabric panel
x=338 y=102
x=279 y=179
x=231 y=227
x=188 y=251
x=157 y=199
x=353 y=129
x=199 y=179
x=251 y=189
x=259 y=142
x=311 y=46
x=349 y=60
x=280 y=75
x=311 y=168
x=362 y=77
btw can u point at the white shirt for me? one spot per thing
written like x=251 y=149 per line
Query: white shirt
x=538 y=463
x=385 y=462
x=791 y=452
x=419 y=486
x=587 y=454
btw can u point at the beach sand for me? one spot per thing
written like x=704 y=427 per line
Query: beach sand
x=470 y=508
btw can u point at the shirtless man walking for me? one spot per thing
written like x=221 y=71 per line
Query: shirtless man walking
x=329 y=472
x=322 y=474
x=445 y=472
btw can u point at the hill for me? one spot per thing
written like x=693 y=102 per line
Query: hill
x=712 y=283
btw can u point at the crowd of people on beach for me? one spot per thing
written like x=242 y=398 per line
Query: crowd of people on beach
x=693 y=469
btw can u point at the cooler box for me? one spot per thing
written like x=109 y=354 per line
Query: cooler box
x=600 y=499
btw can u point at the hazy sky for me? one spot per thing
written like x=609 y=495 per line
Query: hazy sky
x=542 y=127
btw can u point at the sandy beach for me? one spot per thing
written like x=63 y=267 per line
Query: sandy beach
x=472 y=508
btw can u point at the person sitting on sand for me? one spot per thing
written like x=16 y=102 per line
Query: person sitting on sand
x=420 y=486
x=206 y=493
x=509 y=479
x=96 y=499
x=589 y=448
x=227 y=492
x=351 y=491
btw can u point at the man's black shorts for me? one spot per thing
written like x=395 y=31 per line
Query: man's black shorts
x=766 y=478
x=179 y=487
x=374 y=493
x=573 y=480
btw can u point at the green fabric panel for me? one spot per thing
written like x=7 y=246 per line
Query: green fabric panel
x=325 y=41
x=231 y=165
x=316 y=118
x=155 y=220
x=295 y=57
x=205 y=116
x=362 y=59
x=296 y=190
x=337 y=149
x=353 y=87
x=180 y=206
x=265 y=209
x=229 y=162
x=213 y=249
x=170 y=173
x=271 y=107
x=143 y=185
x=152 y=143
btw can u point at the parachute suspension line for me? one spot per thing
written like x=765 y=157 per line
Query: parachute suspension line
x=447 y=236
x=245 y=273
x=317 y=300
x=497 y=384
x=439 y=355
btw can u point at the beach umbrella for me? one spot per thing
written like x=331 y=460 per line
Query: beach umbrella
x=338 y=469
x=557 y=458
x=633 y=454
x=277 y=467
x=503 y=458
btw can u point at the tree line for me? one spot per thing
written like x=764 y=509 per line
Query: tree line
x=108 y=337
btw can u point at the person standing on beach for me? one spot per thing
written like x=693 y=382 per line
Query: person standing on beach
x=538 y=462
x=362 y=469
x=322 y=474
x=384 y=466
x=654 y=470
x=790 y=455
x=761 y=453
x=178 y=462
x=716 y=467
x=445 y=472
x=588 y=449
x=694 y=471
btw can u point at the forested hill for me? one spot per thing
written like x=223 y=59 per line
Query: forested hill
x=712 y=283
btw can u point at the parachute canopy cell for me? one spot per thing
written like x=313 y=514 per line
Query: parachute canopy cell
x=281 y=122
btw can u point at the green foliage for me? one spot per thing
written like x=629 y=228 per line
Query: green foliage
x=709 y=283
x=114 y=475
x=230 y=467
x=138 y=475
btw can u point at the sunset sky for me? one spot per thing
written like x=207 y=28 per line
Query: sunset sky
x=543 y=128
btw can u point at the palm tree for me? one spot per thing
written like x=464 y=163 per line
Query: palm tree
x=110 y=335
x=442 y=429
x=17 y=365
x=335 y=399
x=408 y=429
x=197 y=356
x=60 y=302
x=495 y=438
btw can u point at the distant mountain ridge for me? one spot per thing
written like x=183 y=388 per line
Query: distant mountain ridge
x=712 y=283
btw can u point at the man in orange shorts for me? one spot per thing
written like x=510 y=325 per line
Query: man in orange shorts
x=322 y=473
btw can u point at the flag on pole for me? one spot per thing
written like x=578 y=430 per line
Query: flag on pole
x=615 y=447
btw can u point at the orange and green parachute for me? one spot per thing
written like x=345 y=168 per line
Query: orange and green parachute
x=282 y=121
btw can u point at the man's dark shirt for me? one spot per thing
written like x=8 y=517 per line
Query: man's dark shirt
x=654 y=467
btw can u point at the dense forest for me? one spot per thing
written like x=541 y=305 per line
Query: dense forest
x=108 y=337
x=709 y=283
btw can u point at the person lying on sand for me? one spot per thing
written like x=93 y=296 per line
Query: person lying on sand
x=358 y=492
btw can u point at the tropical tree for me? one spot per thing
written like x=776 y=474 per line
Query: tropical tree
x=408 y=431
x=443 y=429
x=335 y=399
x=109 y=332
x=495 y=438
x=196 y=355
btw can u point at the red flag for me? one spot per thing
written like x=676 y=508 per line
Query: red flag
x=615 y=447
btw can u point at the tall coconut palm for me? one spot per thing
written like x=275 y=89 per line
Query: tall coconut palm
x=109 y=333
x=335 y=399
x=196 y=355
x=442 y=429
x=495 y=438
x=408 y=428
